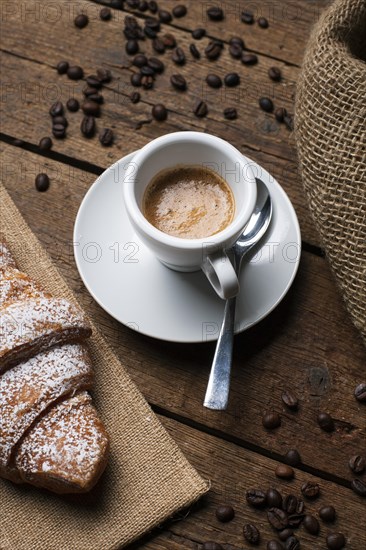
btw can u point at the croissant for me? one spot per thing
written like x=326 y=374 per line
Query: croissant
x=50 y=433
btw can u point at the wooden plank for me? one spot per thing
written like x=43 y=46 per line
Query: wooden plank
x=307 y=344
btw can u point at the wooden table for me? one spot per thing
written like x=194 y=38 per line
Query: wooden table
x=307 y=345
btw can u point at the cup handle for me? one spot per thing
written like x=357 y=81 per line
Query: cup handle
x=220 y=272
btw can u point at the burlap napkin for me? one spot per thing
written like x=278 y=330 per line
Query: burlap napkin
x=147 y=478
x=330 y=130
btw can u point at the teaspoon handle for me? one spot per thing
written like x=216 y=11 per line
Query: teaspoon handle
x=217 y=393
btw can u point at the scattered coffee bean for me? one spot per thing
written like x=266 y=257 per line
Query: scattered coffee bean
x=357 y=464
x=42 y=182
x=153 y=23
x=143 y=5
x=274 y=498
x=165 y=16
x=136 y=79
x=247 y=17
x=271 y=420
x=75 y=72
x=327 y=514
x=249 y=58
x=266 y=104
x=251 y=534
x=90 y=108
x=178 y=56
x=159 y=112
x=359 y=487
x=139 y=60
x=87 y=126
x=310 y=490
x=147 y=82
x=60 y=120
x=150 y=33
x=104 y=75
x=156 y=65
x=235 y=51
x=292 y=457
x=106 y=137
x=285 y=534
x=135 y=97
x=45 y=144
x=326 y=422
x=199 y=33
x=93 y=81
x=169 y=41
x=294 y=520
x=256 y=498
x=232 y=79
x=72 y=105
x=275 y=74
x=277 y=518
x=311 y=524
x=300 y=507
x=179 y=11
x=178 y=82
x=200 y=109
x=88 y=90
x=153 y=6
x=360 y=392
x=290 y=504
x=212 y=546
x=274 y=545
x=280 y=114
x=230 y=113
x=81 y=21
x=290 y=400
x=56 y=109
x=284 y=471
x=237 y=41
x=335 y=541
x=158 y=45
x=62 y=67
x=97 y=97
x=263 y=22
x=132 y=47
x=105 y=14
x=292 y=543
x=194 y=51
x=213 y=50
x=215 y=13
x=289 y=121
x=58 y=131
x=133 y=4
x=225 y=513
x=214 y=81
x=147 y=71
x=116 y=4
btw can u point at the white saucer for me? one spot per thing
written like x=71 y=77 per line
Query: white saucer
x=128 y=282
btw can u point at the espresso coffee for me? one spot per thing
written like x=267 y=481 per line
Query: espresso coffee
x=189 y=201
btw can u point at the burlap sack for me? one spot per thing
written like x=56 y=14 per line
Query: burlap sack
x=330 y=130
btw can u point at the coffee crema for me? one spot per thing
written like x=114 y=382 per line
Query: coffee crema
x=189 y=201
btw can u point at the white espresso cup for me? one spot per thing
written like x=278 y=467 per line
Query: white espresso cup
x=181 y=254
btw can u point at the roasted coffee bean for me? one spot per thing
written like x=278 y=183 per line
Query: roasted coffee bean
x=116 y=4
x=147 y=82
x=132 y=47
x=45 y=144
x=247 y=17
x=59 y=131
x=300 y=507
x=93 y=81
x=60 y=120
x=310 y=490
x=357 y=464
x=88 y=90
x=237 y=41
x=132 y=33
x=327 y=514
x=147 y=71
x=271 y=420
x=360 y=392
x=136 y=79
x=274 y=545
x=249 y=58
x=153 y=23
x=359 y=487
x=280 y=114
x=275 y=74
x=199 y=33
x=178 y=56
x=285 y=534
x=165 y=16
x=212 y=546
x=235 y=51
x=150 y=33
x=214 y=81
x=274 y=498
x=133 y=4
x=178 y=82
x=153 y=6
x=169 y=41
x=143 y=5
x=232 y=79
x=326 y=422
x=97 y=97
x=292 y=543
x=104 y=75
x=81 y=21
x=225 y=513
x=200 y=109
x=230 y=113
x=290 y=400
x=290 y=504
x=294 y=520
x=194 y=51
x=335 y=541
x=289 y=121
x=75 y=72
x=311 y=524
x=277 y=518
x=251 y=534
x=158 y=45
x=156 y=65
x=135 y=97
x=139 y=60
x=215 y=14
x=105 y=14
x=284 y=471
x=266 y=104
x=106 y=137
x=90 y=108
x=255 y=497
x=56 y=109
x=159 y=112
x=179 y=11
x=42 y=182
x=292 y=457
x=87 y=126
x=213 y=50
x=263 y=22
x=62 y=67
x=72 y=105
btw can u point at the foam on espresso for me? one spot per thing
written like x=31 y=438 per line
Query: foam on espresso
x=188 y=201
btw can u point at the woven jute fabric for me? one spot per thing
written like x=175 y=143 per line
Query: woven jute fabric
x=147 y=478
x=330 y=130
